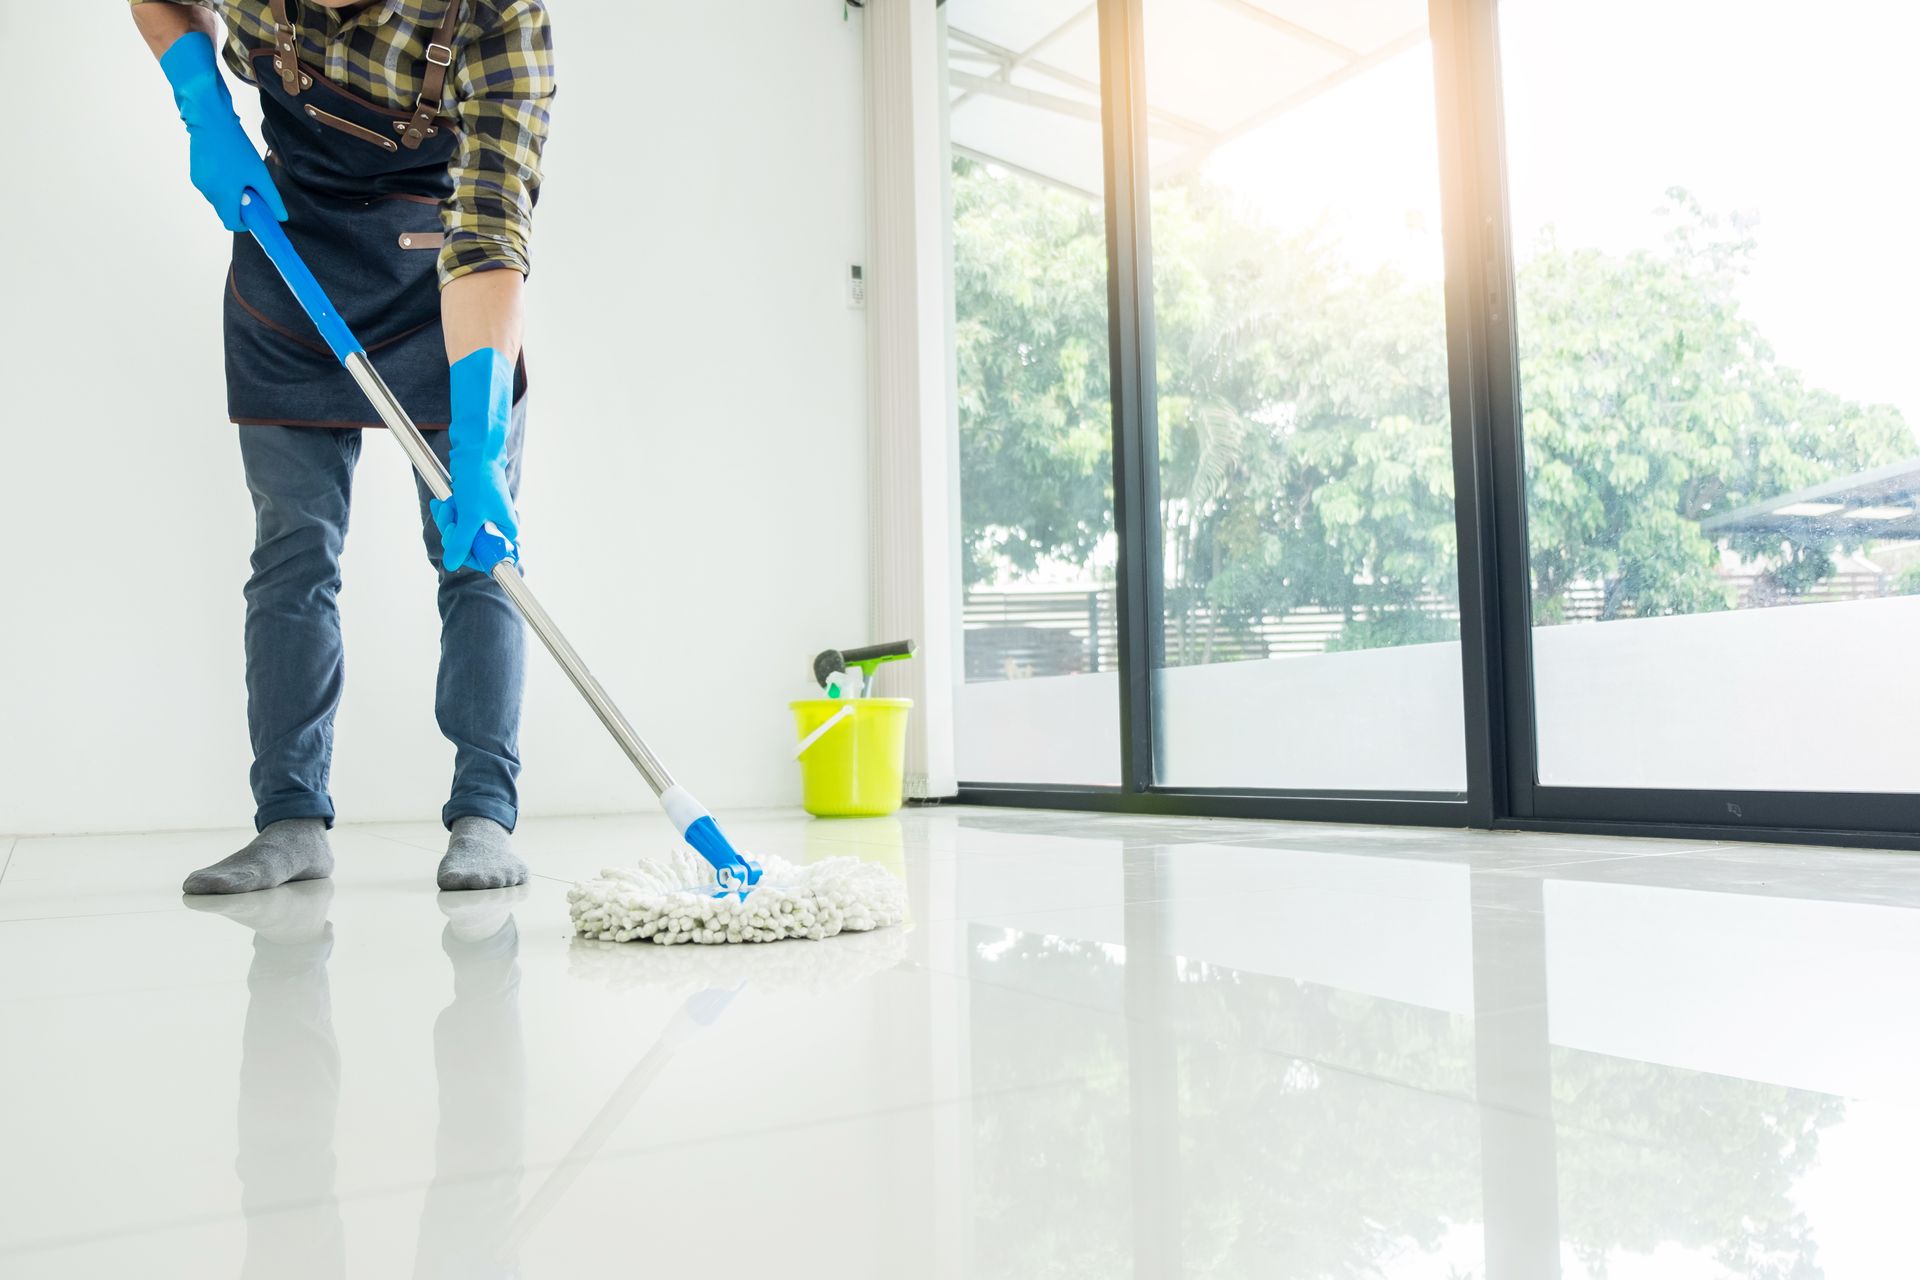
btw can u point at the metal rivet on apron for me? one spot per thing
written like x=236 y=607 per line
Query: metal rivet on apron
x=406 y=242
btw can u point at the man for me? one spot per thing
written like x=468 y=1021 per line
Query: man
x=404 y=141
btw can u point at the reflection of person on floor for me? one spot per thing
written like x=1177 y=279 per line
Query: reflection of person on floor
x=290 y=1090
x=481 y=1069
x=289 y=1086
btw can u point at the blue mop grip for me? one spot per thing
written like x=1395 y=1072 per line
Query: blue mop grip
x=489 y=549
x=736 y=874
x=266 y=228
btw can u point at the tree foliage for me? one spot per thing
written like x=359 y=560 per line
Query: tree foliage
x=1304 y=425
x=1650 y=404
x=1031 y=336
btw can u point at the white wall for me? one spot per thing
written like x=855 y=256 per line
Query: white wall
x=694 y=505
x=1812 y=697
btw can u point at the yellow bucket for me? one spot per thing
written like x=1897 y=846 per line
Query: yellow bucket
x=854 y=769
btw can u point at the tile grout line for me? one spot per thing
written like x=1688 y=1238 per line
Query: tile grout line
x=13 y=842
x=95 y=915
x=1611 y=857
x=404 y=844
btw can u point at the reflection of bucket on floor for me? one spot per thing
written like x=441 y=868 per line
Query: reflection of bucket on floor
x=854 y=769
x=878 y=840
x=881 y=841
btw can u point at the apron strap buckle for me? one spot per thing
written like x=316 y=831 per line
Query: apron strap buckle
x=433 y=88
x=286 y=57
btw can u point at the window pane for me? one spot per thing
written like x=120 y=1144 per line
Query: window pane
x=1306 y=470
x=1716 y=272
x=1041 y=698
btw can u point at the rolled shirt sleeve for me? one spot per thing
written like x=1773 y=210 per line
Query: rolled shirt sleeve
x=503 y=84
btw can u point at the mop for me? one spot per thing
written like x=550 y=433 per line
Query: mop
x=826 y=898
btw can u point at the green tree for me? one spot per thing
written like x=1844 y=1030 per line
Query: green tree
x=1652 y=403
x=1303 y=430
x=1036 y=428
x=1304 y=421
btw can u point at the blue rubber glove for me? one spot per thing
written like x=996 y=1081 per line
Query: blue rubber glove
x=477 y=459
x=223 y=160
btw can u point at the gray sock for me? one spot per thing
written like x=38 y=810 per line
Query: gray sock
x=480 y=856
x=292 y=849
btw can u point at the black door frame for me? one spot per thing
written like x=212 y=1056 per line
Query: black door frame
x=1503 y=791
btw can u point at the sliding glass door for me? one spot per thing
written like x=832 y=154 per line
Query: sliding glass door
x=1311 y=617
x=1035 y=417
x=1715 y=269
x=1492 y=412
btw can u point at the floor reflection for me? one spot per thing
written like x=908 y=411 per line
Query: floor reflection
x=479 y=1064
x=1243 y=1122
x=289 y=1096
x=1099 y=1054
x=289 y=1085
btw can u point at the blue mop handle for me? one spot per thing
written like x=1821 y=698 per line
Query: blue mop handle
x=490 y=545
x=266 y=228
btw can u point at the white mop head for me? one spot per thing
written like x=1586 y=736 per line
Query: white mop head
x=652 y=902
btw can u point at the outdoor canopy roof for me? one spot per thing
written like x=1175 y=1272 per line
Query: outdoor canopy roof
x=1025 y=74
x=1882 y=504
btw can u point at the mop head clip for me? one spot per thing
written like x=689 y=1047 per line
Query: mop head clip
x=734 y=873
x=651 y=902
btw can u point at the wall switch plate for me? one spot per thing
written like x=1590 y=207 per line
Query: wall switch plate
x=856 y=286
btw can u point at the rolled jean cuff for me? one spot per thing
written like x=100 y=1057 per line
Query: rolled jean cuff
x=298 y=807
x=507 y=815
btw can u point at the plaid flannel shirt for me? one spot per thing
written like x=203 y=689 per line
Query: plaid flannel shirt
x=501 y=83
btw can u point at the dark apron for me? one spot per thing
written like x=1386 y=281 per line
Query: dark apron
x=363 y=188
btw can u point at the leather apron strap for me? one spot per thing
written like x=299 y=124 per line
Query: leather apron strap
x=433 y=85
x=286 y=50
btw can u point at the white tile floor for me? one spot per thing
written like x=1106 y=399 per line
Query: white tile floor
x=1105 y=1047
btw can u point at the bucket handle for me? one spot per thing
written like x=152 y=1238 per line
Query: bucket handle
x=821 y=732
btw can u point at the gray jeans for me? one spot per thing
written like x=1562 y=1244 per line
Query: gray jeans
x=301 y=479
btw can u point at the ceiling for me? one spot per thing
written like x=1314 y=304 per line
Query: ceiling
x=1025 y=74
